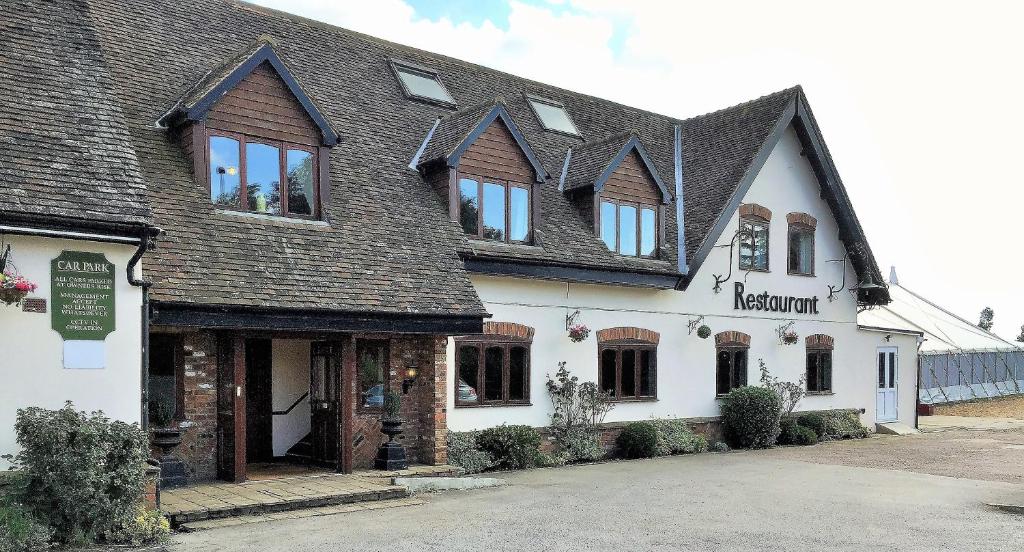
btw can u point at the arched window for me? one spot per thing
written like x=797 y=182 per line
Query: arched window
x=801 y=243
x=819 y=363
x=493 y=368
x=628 y=363
x=754 y=223
x=730 y=361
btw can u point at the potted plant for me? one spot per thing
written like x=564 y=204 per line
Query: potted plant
x=14 y=288
x=391 y=455
x=704 y=331
x=166 y=437
x=790 y=337
x=578 y=332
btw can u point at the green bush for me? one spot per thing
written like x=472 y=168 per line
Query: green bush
x=804 y=436
x=464 y=452
x=844 y=424
x=787 y=431
x=20 y=531
x=719 y=446
x=676 y=437
x=579 y=445
x=84 y=475
x=751 y=417
x=513 y=447
x=638 y=440
x=147 y=526
x=814 y=421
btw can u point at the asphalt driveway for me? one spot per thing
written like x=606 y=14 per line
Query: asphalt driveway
x=731 y=501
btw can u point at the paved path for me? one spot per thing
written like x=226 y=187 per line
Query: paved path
x=943 y=423
x=733 y=501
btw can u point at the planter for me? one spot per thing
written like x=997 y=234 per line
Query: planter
x=12 y=296
x=391 y=455
x=172 y=469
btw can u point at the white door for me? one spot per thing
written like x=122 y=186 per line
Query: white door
x=888 y=376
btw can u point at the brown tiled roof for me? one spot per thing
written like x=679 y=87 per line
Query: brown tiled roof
x=65 y=152
x=390 y=245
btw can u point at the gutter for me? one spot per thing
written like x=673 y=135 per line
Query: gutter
x=87 y=236
x=145 y=244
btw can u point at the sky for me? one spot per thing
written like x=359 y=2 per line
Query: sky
x=919 y=101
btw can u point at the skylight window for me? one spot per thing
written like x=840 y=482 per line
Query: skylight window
x=422 y=84
x=553 y=116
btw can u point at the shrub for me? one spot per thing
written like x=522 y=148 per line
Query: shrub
x=787 y=431
x=147 y=526
x=84 y=475
x=789 y=393
x=844 y=424
x=20 y=531
x=464 y=452
x=638 y=440
x=675 y=437
x=804 y=436
x=513 y=447
x=814 y=421
x=719 y=446
x=751 y=417
x=578 y=409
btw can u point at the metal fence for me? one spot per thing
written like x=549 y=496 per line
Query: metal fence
x=957 y=376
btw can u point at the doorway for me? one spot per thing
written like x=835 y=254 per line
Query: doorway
x=886 y=402
x=325 y=402
x=258 y=401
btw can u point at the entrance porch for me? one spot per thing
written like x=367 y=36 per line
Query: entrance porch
x=295 y=402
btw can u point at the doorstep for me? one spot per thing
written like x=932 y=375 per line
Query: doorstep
x=219 y=500
x=417 y=470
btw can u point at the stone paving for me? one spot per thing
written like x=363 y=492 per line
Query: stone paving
x=298 y=514
x=219 y=500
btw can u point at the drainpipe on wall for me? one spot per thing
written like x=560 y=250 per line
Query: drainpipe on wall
x=684 y=268
x=144 y=245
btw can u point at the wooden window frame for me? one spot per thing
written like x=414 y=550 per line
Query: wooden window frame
x=803 y=229
x=640 y=206
x=482 y=343
x=385 y=346
x=177 y=343
x=755 y=221
x=818 y=352
x=637 y=347
x=282 y=147
x=732 y=349
x=507 y=185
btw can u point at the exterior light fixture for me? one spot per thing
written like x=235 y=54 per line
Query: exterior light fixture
x=411 y=371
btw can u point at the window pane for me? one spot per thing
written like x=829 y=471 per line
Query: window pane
x=518 y=213
x=372 y=365
x=608 y=371
x=628 y=373
x=627 y=229
x=469 y=205
x=494 y=211
x=812 y=372
x=647 y=232
x=553 y=117
x=163 y=384
x=301 y=195
x=892 y=370
x=263 y=178
x=801 y=251
x=494 y=366
x=760 y=247
x=723 y=372
x=469 y=366
x=739 y=366
x=746 y=245
x=225 y=176
x=423 y=84
x=608 y=224
x=881 y=370
x=647 y=373
x=518 y=360
x=824 y=367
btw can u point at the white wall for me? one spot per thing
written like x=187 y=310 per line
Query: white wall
x=290 y=380
x=686 y=364
x=31 y=363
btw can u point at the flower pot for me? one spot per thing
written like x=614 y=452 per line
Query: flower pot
x=391 y=455
x=172 y=469
x=11 y=296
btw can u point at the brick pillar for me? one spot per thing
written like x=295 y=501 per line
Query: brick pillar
x=439 y=429
x=199 y=439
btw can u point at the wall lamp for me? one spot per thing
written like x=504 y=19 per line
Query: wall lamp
x=411 y=371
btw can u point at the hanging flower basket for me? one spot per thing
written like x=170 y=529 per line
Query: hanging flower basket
x=790 y=338
x=13 y=289
x=704 y=331
x=579 y=332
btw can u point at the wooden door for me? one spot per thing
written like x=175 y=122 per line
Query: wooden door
x=258 y=401
x=231 y=411
x=325 y=401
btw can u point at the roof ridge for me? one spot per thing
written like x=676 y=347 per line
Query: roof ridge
x=956 y=316
x=798 y=89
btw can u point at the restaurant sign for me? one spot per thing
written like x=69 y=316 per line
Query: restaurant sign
x=767 y=302
x=82 y=303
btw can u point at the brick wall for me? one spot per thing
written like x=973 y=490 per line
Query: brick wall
x=198 y=447
x=422 y=407
x=608 y=433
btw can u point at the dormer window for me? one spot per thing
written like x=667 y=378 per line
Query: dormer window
x=629 y=228
x=553 y=116
x=263 y=176
x=421 y=83
x=493 y=209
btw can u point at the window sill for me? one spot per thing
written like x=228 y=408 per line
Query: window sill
x=761 y=270
x=804 y=274
x=477 y=242
x=494 y=405
x=820 y=393
x=640 y=400
x=273 y=218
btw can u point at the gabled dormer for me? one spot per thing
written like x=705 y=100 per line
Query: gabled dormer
x=615 y=186
x=480 y=162
x=258 y=143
